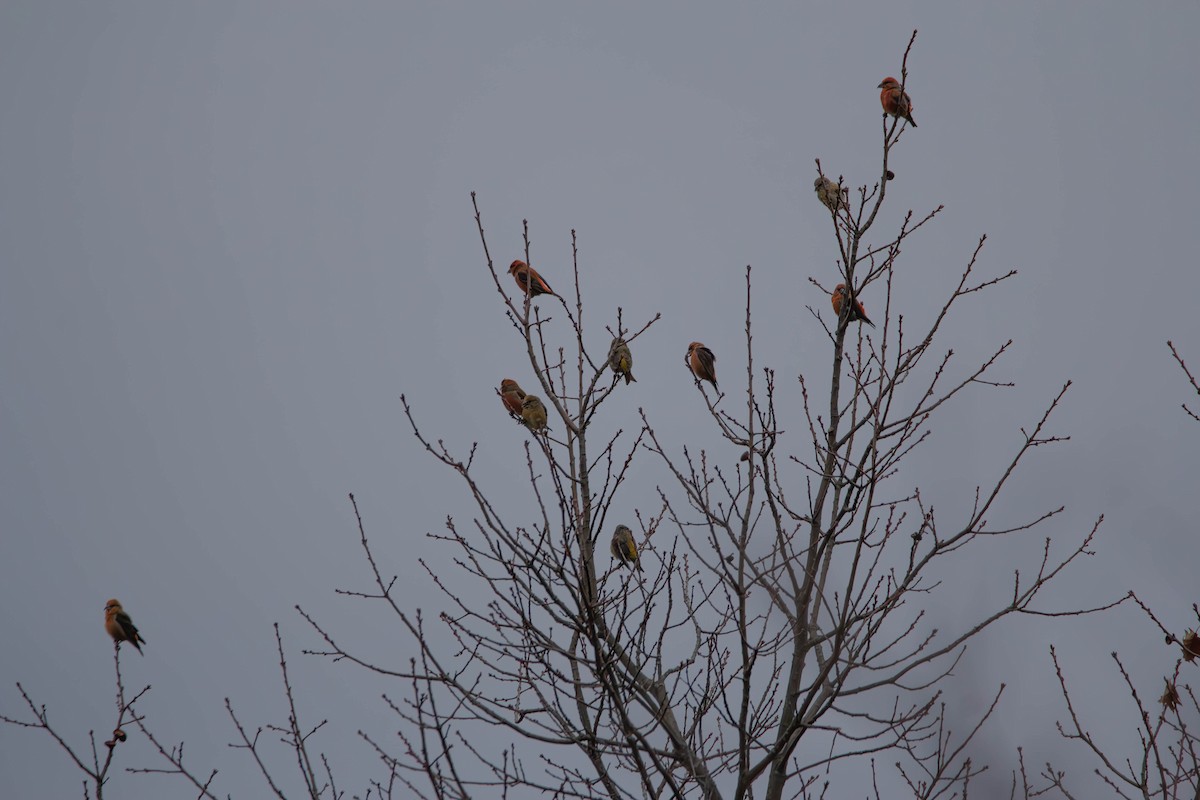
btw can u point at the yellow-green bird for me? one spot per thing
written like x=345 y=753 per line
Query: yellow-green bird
x=624 y=549
x=621 y=360
x=533 y=413
x=831 y=194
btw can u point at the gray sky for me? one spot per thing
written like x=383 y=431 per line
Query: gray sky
x=232 y=234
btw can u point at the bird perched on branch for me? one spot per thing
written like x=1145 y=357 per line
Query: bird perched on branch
x=512 y=395
x=833 y=195
x=620 y=360
x=624 y=549
x=857 y=311
x=528 y=279
x=533 y=413
x=702 y=363
x=895 y=101
x=120 y=627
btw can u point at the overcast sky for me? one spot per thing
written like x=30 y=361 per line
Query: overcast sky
x=232 y=234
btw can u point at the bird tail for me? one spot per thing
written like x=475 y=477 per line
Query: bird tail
x=629 y=378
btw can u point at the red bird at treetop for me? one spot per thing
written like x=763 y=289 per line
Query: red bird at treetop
x=895 y=101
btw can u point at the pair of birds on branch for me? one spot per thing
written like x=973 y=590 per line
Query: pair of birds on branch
x=528 y=408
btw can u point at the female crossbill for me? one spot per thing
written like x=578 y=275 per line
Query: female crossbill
x=857 y=311
x=512 y=396
x=831 y=194
x=533 y=413
x=624 y=548
x=120 y=627
x=528 y=279
x=620 y=360
x=702 y=363
x=895 y=101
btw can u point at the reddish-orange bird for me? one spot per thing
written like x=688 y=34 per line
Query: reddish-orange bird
x=120 y=626
x=513 y=396
x=857 y=311
x=895 y=101
x=528 y=279
x=702 y=363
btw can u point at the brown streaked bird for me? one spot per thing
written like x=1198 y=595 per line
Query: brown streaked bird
x=895 y=101
x=702 y=363
x=120 y=627
x=528 y=279
x=624 y=548
x=621 y=360
x=857 y=311
x=512 y=396
x=533 y=413
x=833 y=195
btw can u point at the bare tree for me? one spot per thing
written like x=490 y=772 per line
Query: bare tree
x=785 y=640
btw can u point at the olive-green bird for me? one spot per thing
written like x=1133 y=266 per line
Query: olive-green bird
x=833 y=195
x=533 y=413
x=624 y=549
x=621 y=360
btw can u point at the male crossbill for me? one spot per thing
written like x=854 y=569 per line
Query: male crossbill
x=831 y=194
x=512 y=395
x=621 y=360
x=120 y=627
x=528 y=279
x=857 y=311
x=895 y=101
x=533 y=413
x=624 y=549
x=702 y=362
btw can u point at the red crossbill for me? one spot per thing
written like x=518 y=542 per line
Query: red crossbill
x=857 y=311
x=702 y=363
x=528 y=279
x=120 y=627
x=895 y=101
x=512 y=396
